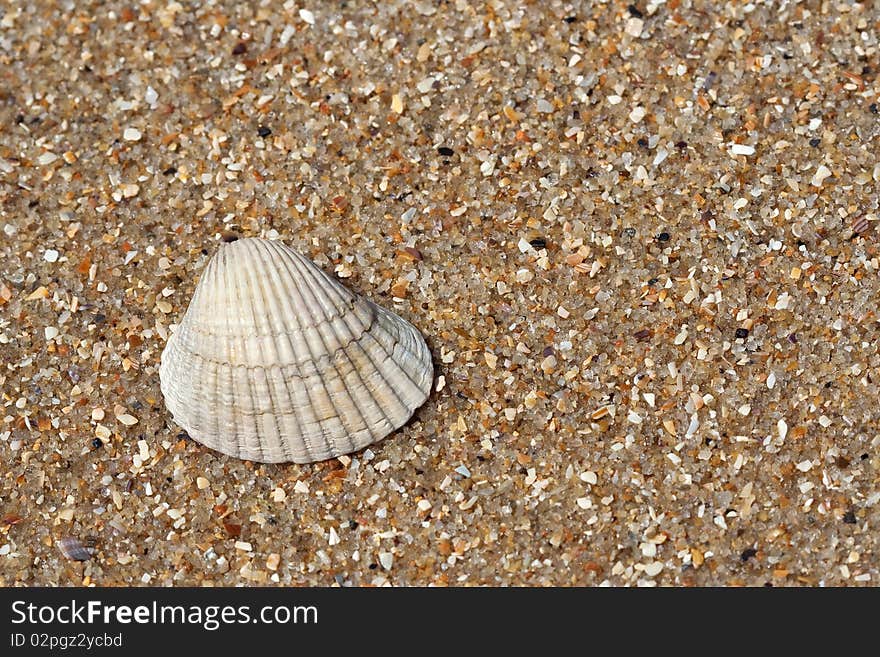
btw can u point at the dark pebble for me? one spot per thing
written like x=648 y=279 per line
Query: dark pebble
x=643 y=335
x=634 y=11
x=538 y=243
x=873 y=108
x=681 y=144
x=240 y=48
x=96 y=443
x=742 y=333
x=445 y=151
x=99 y=318
x=849 y=517
x=170 y=171
x=642 y=142
x=815 y=141
x=570 y=19
x=263 y=131
x=663 y=237
x=747 y=554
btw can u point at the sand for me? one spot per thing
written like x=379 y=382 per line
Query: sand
x=640 y=240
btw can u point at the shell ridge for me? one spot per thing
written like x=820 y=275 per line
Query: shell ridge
x=321 y=279
x=385 y=415
x=312 y=293
x=255 y=287
x=303 y=421
x=269 y=334
x=308 y=296
x=356 y=401
x=217 y=393
x=335 y=354
x=413 y=394
x=389 y=355
x=415 y=347
x=275 y=311
x=232 y=387
x=317 y=279
x=378 y=368
x=285 y=262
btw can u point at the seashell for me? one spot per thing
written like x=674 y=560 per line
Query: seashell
x=274 y=360
x=75 y=549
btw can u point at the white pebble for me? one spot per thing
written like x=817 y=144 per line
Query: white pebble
x=150 y=96
x=286 y=34
x=822 y=172
x=307 y=16
x=634 y=26
x=742 y=149
x=637 y=114
x=782 y=428
x=386 y=559
x=127 y=420
x=132 y=134
x=544 y=106
x=589 y=476
x=51 y=255
x=51 y=332
x=653 y=569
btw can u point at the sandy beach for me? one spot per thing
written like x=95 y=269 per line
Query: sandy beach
x=639 y=239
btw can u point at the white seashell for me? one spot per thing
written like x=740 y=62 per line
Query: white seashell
x=277 y=361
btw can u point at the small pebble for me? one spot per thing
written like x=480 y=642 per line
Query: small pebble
x=742 y=149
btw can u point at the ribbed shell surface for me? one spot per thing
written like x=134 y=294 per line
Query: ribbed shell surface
x=277 y=361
